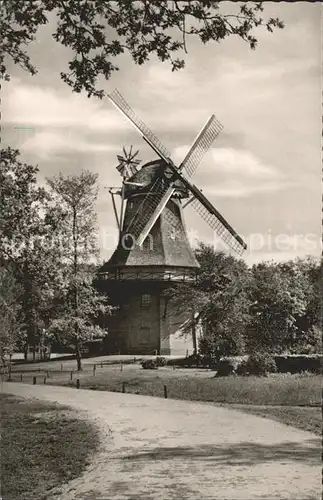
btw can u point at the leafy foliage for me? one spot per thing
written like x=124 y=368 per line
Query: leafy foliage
x=79 y=304
x=219 y=300
x=257 y=364
x=161 y=361
x=272 y=307
x=26 y=236
x=299 y=363
x=225 y=367
x=283 y=310
x=11 y=329
x=21 y=201
x=149 y=364
x=99 y=31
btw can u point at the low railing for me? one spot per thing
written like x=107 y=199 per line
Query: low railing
x=148 y=275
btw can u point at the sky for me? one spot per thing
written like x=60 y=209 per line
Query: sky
x=263 y=172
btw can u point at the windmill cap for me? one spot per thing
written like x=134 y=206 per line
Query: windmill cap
x=144 y=179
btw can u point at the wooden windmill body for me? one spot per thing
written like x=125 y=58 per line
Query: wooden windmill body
x=153 y=250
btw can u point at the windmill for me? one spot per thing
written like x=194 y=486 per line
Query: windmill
x=154 y=198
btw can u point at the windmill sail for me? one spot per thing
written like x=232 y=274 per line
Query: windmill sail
x=145 y=217
x=217 y=222
x=117 y=99
x=213 y=217
x=201 y=145
x=155 y=201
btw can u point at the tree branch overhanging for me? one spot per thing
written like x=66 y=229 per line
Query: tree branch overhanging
x=98 y=32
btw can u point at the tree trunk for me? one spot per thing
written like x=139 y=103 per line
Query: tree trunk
x=78 y=357
x=194 y=335
x=76 y=296
x=10 y=365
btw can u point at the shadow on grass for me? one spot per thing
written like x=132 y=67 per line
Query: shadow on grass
x=246 y=453
x=43 y=446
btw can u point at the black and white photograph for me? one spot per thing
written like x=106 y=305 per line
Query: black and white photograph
x=161 y=250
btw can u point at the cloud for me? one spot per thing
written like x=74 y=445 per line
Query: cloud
x=268 y=246
x=39 y=106
x=47 y=143
x=229 y=172
x=268 y=101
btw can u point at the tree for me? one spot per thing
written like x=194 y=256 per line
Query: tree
x=280 y=295
x=98 y=31
x=307 y=335
x=225 y=281
x=79 y=303
x=25 y=233
x=218 y=300
x=11 y=331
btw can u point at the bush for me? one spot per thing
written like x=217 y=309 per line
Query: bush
x=257 y=364
x=161 y=361
x=209 y=362
x=149 y=364
x=193 y=361
x=298 y=363
x=225 y=367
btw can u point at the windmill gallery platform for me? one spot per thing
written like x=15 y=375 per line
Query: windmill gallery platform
x=153 y=252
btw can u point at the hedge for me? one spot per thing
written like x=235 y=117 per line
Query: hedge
x=288 y=363
x=296 y=363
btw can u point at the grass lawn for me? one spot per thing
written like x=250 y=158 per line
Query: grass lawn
x=306 y=418
x=201 y=385
x=292 y=399
x=42 y=446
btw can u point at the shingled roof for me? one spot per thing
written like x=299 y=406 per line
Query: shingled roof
x=147 y=175
x=167 y=245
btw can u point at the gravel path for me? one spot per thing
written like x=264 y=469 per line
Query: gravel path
x=158 y=449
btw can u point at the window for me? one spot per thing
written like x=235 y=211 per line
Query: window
x=148 y=244
x=145 y=301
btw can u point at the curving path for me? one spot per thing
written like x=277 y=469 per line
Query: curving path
x=157 y=449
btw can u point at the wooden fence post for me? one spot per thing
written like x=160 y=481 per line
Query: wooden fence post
x=123 y=387
x=165 y=391
x=45 y=379
x=21 y=377
x=34 y=380
x=94 y=368
x=71 y=375
x=121 y=366
x=77 y=383
x=61 y=367
x=101 y=364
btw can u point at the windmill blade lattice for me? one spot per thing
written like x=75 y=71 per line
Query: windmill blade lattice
x=201 y=145
x=142 y=221
x=220 y=226
x=117 y=99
